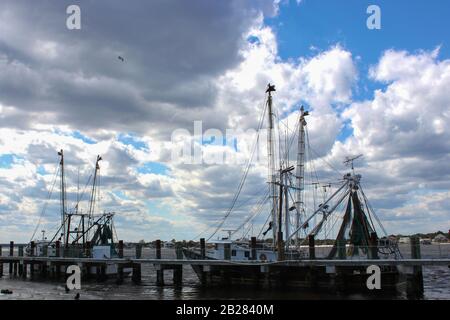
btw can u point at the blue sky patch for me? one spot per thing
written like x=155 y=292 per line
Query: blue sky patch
x=345 y=132
x=154 y=167
x=120 y=194
x=211 y=140
x=133 y=140
x=6 y=160
x=78 y=135
x=40 y=170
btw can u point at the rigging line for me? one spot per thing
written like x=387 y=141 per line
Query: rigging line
x=291 y=138
x=254 y=216
x=326 y=162
x=244 y=177
x=338 y=216
x=371 y=224
x=375 y=215
x=84 y=192
x=49 y=194
x=261 y=192
x=259 y=207
x=313 y=168
x=340 y=200
x=264 y=226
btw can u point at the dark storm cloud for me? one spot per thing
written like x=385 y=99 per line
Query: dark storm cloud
x=172 y=49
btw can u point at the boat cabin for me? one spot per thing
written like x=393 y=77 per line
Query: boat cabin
x=231 y=250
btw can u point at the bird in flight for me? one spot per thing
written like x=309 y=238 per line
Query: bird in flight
x=121 y=58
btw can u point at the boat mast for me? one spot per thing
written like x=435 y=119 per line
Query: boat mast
x=93 y=192
x=63 y=195
x=286 y=208
x=271 y=159
x=300 y=174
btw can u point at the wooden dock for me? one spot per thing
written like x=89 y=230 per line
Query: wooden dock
x=23 y=265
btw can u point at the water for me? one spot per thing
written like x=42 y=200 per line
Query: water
x=436 y=285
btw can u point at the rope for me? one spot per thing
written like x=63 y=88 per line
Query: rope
x=49 y=194
x=243 y=179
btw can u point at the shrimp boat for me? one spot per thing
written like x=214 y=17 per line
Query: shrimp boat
x=80 y=235
x=302 y=212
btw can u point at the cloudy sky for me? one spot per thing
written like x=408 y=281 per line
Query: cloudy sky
x=382 y=93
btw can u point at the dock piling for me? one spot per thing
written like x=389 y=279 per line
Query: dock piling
x=136 y=276
x=178 y=270
x=33 y=247
x=202 y=248
x=312 y=247
x=253 y=248
x=57 y=248
x=120 y=248
x=11 y=253
x=159 y=269
x=415 y=281
x=21 y=262
x=119 y=266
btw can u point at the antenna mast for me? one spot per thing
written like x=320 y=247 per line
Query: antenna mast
x=299 y=203
x=93 y=192
x=270 y=151
x=350 y=160
x=63 y=195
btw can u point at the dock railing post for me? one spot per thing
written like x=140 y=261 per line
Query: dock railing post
x=159 y=267
x=253 y=248
x=202 y=248
x=312 y=247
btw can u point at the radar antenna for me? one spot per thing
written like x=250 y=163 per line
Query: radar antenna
x=350 y=160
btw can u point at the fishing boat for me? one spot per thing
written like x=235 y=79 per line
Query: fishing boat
x=302 y=212
x=79 y=235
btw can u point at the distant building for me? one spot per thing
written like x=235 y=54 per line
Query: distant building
x=440 y=238
x=168 y=244
x=404 y=240
x=425 y=241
